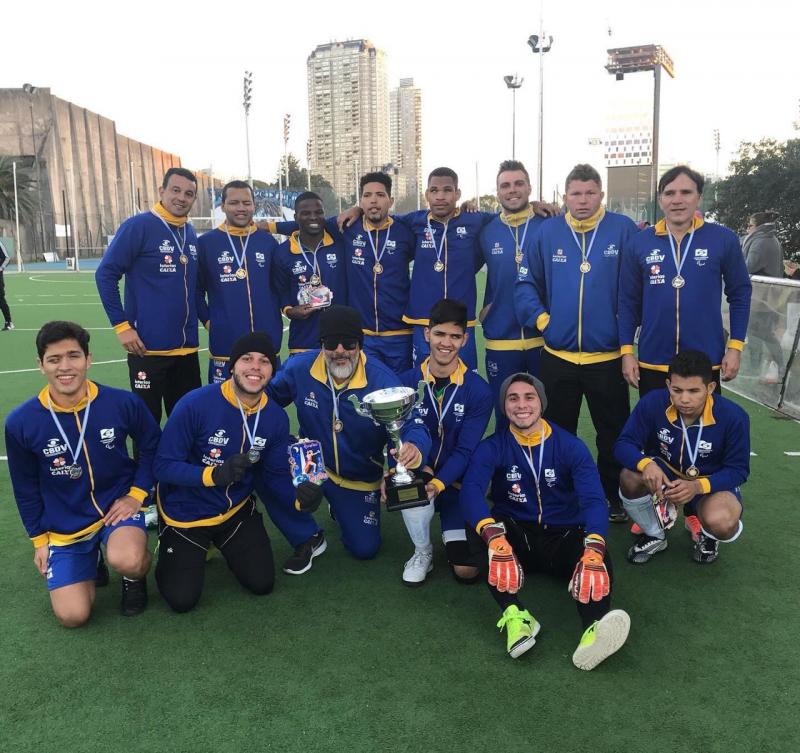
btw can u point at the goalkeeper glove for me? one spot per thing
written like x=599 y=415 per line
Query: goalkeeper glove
x=309 y=495
x=590 y=581
x=505 y=573
x=231 y=471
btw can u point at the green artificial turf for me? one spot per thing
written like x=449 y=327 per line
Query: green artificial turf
x=345 y=658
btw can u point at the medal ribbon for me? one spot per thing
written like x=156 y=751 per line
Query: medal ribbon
x=691 y=453
x=375 y=253
x=243 y=245
x=537 y=472
x=433 y=239
x=251 y=436
x=313 y=253
x=679 y=267
x=515 y=235
x=179 y=244
x=335 y=395
x=75 y=455
x=434 y=402
x=584 y=257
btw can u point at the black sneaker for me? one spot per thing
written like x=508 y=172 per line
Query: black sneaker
x=644 y=548
x=134 y=596
x=8 y=326
x=616 y=512
x=101 y=578
x=300 y=561
x=706 y=550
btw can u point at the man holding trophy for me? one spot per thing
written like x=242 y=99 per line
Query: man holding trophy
x=341 y=396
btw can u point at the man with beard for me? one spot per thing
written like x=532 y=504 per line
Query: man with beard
x=216 y=442
x=235 y=273
x=510 y=346
x=320 y=384
x=548 y=515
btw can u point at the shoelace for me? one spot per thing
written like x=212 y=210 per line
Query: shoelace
x=505 y=619
x=419 y=559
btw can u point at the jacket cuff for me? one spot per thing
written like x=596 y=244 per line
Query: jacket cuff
x=438 y=484
x=207 y=471
x=285 y=309
x=483 y=523
x=626 y=350
x=122 y=327
x=736 y=345
x=643 y=463
x=40 y=540
x=140 y=495
x=542 y=321
x=705 y=485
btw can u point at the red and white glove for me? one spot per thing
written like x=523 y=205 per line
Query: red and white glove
x=590 y=581
x=505 y=572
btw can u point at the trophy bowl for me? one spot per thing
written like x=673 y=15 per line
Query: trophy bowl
x=390 y=408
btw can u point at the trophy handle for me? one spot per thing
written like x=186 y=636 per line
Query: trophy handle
x=356 y=403
x=420 y=393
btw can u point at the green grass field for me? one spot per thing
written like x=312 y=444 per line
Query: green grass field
x=345 y=658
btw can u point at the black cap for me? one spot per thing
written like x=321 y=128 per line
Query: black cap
x=340 y=321
x=253 y=342
x=523 y=376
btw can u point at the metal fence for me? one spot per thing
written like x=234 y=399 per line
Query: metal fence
x=770 y=370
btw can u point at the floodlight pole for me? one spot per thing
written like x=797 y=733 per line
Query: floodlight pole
x=539 y=46
x=16 y=217
x=513 y=83
x=248 y=97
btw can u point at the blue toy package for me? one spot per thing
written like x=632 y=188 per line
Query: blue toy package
x=306 y=462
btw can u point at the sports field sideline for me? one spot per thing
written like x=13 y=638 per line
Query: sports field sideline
x=346 y=658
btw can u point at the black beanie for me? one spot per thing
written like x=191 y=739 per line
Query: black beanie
x=253 y=342
x=527 y=379
x=340 y=321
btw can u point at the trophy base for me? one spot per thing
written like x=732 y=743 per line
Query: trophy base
x=403 y=496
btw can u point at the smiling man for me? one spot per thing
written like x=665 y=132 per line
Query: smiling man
x=672 y=283
x=690 y=448
x=548 y=515
x=76 y=486
x=219 y=439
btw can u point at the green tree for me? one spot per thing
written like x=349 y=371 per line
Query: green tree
x=766 y=175
x=26 y=192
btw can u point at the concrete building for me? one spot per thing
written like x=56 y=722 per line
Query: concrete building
x=405 y=128
x=81 y=159
x=348 y=112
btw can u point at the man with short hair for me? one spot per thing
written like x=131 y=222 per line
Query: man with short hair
x=685 y=447
x=548 y=515
x=216 y=442
x=672 y=283
x=5 y=258
x=235 y=272
x=75 y=485
x=320 y=384
x=567 y=289
x=511 y=347
x=310 y=260
x=456 y=411
x=156 y=253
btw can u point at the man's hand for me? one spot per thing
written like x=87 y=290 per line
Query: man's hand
x=681 y=491
x=348 y=217
x=122 y=509
x=730 y=364
x=654 y=478
x=543 y=209
x=40 y=556
x=505 y=572
x=231 y=471
x=630 y=369
x=131 y=342
x=408 y=455
x=309 y=495
x=590 y=581
x=300 y=312
x=470 y=206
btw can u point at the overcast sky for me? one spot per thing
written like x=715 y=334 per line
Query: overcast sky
x=171 y=74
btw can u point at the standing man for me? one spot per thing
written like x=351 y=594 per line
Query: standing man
x=320 y=383
x=691 y=449
x=548 y=515
x=235 y=266
x=215 y=444
x=672 y=286
x=567 y=289
x=5 y=258
x=310 y=259
x=156 y=253
x=510 y=346
x=75 y=485
x=456 y=411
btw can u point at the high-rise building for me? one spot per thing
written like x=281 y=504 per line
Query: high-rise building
x=348 y=112
x=405 y=127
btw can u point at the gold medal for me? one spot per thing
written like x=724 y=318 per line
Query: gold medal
x=585 y=266
x=692 y=471
x=338 y=425
x=184 y=259
x=315 y=279
x=518 y=257
x=438 y=267
x=378 y=268
x=678 y=282
x=241 y=273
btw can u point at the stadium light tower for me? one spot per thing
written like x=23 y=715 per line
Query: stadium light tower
x=248 y=98
x=646 y=57
x=539 y=44
x=513 y=83
x=30 y=90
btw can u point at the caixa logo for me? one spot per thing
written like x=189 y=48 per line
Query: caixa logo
x=218 y=438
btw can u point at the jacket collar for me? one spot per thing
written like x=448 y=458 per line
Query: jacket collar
x=457 y=377
x=240 y=231
x=661 y=226
x=533 y=440
x=368 y=226
x=160 y=211
x=584 y=226
x=46 y=400
x=230 y=396
x=515 y=219
x=319 y=371
x=455 y=214
x=294 y=241
x=707 y=415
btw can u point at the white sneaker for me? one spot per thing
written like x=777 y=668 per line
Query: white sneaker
x=418 y=567
x=151 y=517
x=601 y=639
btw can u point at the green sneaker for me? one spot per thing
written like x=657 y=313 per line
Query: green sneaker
x=521 y=630
x=601 y=639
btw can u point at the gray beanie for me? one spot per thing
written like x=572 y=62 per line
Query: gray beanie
x=523 y=376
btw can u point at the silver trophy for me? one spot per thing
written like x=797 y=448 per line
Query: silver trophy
x=390 y=408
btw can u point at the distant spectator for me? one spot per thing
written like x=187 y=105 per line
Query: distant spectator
x=761 y=247
x=5 y=257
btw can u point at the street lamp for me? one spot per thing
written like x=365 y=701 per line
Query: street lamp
x=540 y=44
x=513 y=83
x=248 y=97
x=30 y=90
